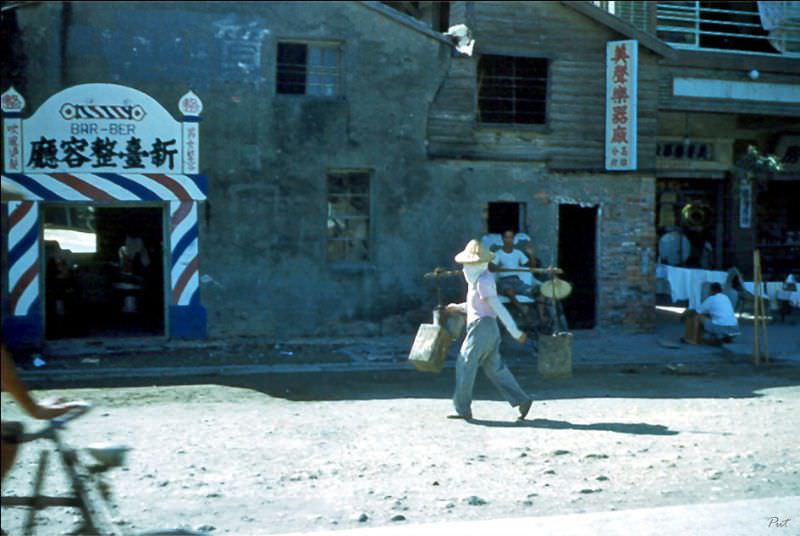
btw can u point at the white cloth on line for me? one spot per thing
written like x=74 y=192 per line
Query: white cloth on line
x=687 y=283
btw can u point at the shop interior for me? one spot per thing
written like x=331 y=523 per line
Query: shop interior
x=104 y=271
x=690 y=220
x=778 y=229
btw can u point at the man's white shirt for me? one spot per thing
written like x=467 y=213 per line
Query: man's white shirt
x=515 y=259
x=720 y=309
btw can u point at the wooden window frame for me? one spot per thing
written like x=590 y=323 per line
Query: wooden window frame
x=542 y=84
x=328 y=75
x=366 y=193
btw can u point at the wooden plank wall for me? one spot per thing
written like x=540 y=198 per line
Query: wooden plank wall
x=573 y=138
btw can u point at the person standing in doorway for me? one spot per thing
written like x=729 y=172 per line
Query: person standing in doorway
x=481 y=346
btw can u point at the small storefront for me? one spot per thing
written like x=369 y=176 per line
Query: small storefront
x=693 y=182
x=777 y=214
x=105 y=241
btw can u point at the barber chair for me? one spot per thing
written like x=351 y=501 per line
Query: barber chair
x=130 y=294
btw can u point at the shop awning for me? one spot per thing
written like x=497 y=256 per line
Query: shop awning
x=107 y=186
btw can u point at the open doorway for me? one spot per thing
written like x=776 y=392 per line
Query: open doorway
x=577 y=256
x=505 y=215
x=104 y=271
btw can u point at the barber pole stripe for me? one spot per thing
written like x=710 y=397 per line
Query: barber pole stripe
x=108 y=186
x=85 y=188
x=64 y=188
x=23 y=256
x=184 y=250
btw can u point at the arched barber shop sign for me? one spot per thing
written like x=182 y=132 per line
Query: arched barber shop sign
x=102 y=147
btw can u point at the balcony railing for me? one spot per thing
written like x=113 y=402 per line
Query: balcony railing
x=706 y=26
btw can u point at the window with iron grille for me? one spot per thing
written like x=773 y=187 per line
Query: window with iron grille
x=308 y=69
x=348 y=216
x=512 y=89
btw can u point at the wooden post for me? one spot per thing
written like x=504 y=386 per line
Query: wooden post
x=756 y=308
x=764 y=309
x=759 y=313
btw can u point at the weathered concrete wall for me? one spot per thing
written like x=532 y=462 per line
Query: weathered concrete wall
x=626 y=227
x=263 y=229
x=266 y=155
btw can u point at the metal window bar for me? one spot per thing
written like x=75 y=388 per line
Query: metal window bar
x=683 y=25
x=348 y=217
x=318 y=75
x=511 y=93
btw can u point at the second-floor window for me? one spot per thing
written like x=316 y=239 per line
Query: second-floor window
x=763 y=27
x=308 y=69
x=512 y=90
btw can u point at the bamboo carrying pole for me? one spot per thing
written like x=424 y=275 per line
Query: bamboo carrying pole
x=759 y=313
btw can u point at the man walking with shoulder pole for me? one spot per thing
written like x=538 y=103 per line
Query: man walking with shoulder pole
x=481 y=346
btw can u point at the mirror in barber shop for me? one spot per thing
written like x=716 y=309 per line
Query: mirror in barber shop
x=104 y=273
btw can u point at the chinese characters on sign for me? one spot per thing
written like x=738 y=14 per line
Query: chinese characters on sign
x=190 y=149
x=12 y=146
x=745 y=203
x=191 y=106
x=12 y=105
x=99 y=153
x=96 y=128
x=621 y=109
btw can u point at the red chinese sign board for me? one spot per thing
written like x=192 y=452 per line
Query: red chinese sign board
x=621 y=86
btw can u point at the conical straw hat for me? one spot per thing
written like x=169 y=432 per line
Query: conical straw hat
x=473 y=253
x=556 y=288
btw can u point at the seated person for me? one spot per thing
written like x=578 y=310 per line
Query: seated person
x=716 y=311
x=510 y=258
x=510 y=283
x=133 y=260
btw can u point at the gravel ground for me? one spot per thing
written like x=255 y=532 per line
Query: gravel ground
x=282 y=453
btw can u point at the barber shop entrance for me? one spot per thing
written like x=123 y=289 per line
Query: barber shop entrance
x=103 y=271
x=102 y=238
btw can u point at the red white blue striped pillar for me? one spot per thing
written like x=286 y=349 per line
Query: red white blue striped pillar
x=23 y=324
x=187 y=315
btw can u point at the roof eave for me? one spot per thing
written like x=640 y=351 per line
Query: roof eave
x=605 y=18
x=405 y=20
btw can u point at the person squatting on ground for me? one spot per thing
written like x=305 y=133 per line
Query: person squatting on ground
x=719 y=320
x=481 y=346
x=47 y=410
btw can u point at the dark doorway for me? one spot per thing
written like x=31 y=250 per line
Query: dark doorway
x=504 y=216
x=577 y=256
x=104 y=271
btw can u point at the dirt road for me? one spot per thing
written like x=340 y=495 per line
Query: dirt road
x=281 y=453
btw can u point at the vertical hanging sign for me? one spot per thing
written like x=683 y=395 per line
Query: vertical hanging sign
x=12 y=105
x=190 y=106
x=621 y=88
x=745 y=203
